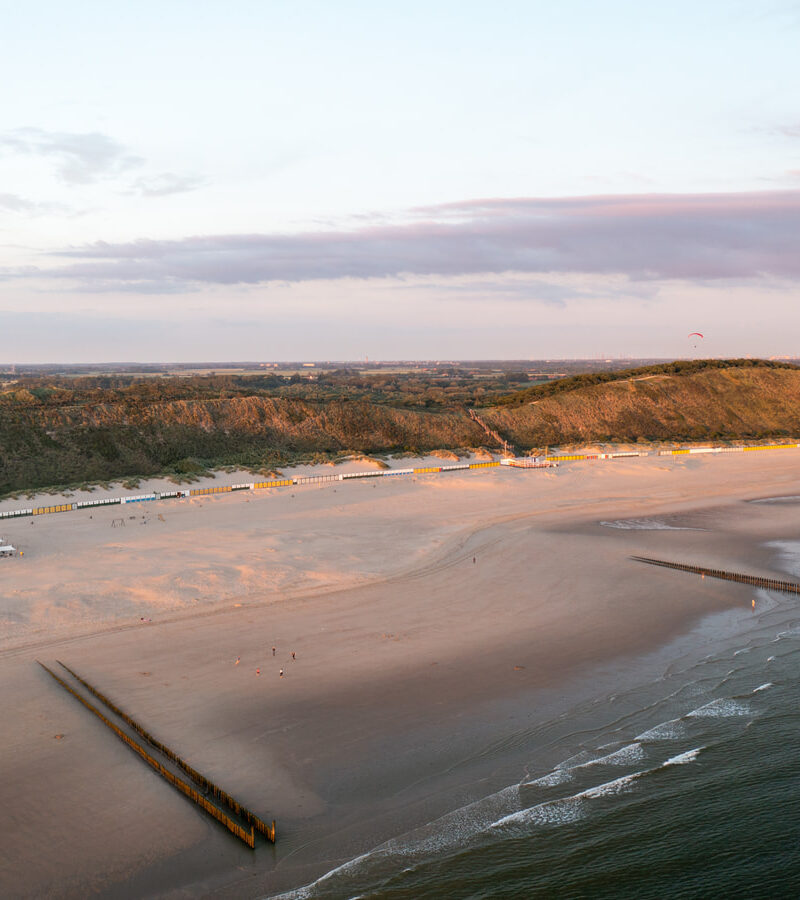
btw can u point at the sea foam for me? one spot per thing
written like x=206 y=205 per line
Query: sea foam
x=567 y=809
x=719 y=708
x=671 y=730
x=553 y=812
x=622 y=757
x=452 y=829
x=682 y=758
x=612 y=788
x=552 y=779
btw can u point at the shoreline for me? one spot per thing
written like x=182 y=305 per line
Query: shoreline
x=407 y=667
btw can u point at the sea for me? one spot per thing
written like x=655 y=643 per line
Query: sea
x=684 y=784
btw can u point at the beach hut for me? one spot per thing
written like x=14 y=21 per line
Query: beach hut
x=7 y=550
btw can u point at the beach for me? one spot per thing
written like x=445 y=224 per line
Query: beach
x=422 y=625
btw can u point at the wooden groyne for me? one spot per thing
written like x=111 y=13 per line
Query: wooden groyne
x=772 y=584
x=223 y=797
x=248 y=837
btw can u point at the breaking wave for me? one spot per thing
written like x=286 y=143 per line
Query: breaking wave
x=566 y=809
x=671 y=730
x=622 y=757
x=720 y=708
x=682 y=758
x=553 y=779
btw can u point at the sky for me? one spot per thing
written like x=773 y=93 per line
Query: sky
x=339 y=180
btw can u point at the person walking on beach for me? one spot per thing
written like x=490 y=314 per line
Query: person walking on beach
x=238 y=660
x=473 y=560
x=281 y=673
x=273 y=651
x=258 y=671
x=293 y=656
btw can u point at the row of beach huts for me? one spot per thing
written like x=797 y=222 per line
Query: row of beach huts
x=525 y=462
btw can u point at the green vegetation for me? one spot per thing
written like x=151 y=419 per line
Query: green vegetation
x=679 y=368
x=441 y=388
x=57 y=430
x=734 y=400
x=65 y=431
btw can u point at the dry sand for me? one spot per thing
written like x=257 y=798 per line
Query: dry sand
x=412 y=661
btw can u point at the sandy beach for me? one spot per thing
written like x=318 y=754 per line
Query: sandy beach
x=431 y=619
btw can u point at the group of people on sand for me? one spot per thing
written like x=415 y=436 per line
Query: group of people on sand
x=258 y=670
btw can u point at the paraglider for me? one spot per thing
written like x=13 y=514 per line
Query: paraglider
x=695 y=334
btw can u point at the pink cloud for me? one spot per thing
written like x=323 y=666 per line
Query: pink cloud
x=643 y=236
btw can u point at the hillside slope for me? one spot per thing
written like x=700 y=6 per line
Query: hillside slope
x=51 y=445
x=68 y=431
x=715 y=403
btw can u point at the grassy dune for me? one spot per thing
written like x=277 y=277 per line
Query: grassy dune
x=56 y=432
x=740 y=402
x=44 y=445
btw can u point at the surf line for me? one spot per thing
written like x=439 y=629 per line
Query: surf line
x=773 y=584
x=222 y=797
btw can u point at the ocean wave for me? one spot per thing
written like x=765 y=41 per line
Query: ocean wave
x=451 y=830
x=456 y=828
x=722 y=707
x=308 y=890
x=671 y=730
x=622 y=757
x=762 y=687
x=682 y=758
x=573 y=762
x=612 y=788
x=782 y=635
x=551 y=812
x=558 y=776
x=564 y=771
x=567 y=809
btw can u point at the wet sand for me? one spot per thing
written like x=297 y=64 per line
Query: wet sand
x=414 y=666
